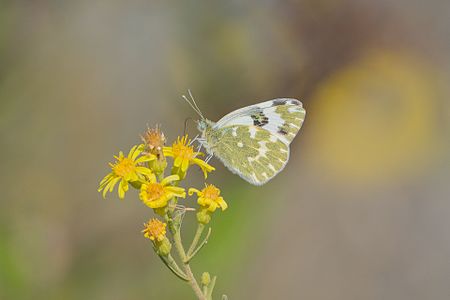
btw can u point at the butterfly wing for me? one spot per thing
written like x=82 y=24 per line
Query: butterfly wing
x=251 y=152
x=282 y=117
x=253 y=141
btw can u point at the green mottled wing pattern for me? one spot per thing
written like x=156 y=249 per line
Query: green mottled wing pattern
x=251 y=152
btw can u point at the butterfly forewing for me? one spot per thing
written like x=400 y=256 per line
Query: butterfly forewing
x=283 y=117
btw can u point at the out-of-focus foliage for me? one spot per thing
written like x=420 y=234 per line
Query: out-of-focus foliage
x=360 y=212
x=395 y=130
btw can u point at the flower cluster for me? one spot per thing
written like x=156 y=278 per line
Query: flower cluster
x=144 y=169
x=145 y=163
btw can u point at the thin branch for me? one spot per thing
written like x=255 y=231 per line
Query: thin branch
x=172 y=265
x=203 y=243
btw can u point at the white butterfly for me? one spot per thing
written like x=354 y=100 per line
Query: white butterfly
x=253 y=141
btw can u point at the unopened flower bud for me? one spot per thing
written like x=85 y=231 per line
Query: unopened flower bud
x=204 y=216
x=158 y=165
x=163 y=248
x=206 y=278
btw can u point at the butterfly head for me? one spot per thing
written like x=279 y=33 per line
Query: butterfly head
x=204 y=125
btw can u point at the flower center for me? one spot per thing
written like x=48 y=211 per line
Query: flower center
x=124 y=167
x=180 y=149
x=155 y=191
x=211 y=192
x=155 y=229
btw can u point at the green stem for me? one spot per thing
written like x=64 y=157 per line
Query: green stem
x=172 y=265
x=182 y=254
x=194 y=283
x=211 y=288
x=197 y=236
x=160 y=177
x=203 y=243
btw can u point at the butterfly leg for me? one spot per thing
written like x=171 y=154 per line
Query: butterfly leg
x=194 y=139
x=183 y=208
x=208 y=158
x=200 y=143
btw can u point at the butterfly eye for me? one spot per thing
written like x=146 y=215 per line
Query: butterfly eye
x=201 y=125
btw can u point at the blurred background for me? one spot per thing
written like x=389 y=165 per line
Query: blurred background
x=361 y=211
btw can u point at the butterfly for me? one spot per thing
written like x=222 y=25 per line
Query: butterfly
x=252 y=142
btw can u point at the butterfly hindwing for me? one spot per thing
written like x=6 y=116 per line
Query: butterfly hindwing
x=251 y=152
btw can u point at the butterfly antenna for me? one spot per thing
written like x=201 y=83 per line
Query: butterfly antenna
x=192 y=105
x=193 y=100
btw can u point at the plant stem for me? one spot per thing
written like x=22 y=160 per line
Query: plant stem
x=203 y=243
x=197 y=236
x=194 y=283
x=211 y=288
x=172 y=265
x=181 y=252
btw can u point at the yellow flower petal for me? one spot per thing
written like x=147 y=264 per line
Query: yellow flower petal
x=167 y=151
x=184 y=165
x=104 y=181
x=170 y=179
x=223 y=205
x=144 y=170
x=212 y=207
x=123 y=188
x=177 y=162
x=192 y=191
x=106 y=188
x=152 y=178
x=177 y=191
x=146 y=158
x=131 y=153
x=204 y=166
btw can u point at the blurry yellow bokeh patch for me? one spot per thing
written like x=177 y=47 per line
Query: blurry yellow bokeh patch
x=375 y=120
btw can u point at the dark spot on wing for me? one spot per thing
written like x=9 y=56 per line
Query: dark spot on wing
x=283 y=129
x=294 y=102
x=279 y=102
x=259 y=119
x=285 y=101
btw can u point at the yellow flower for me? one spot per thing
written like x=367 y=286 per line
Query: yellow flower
x=155 y=230
x=184 y=156
x=157 y=194
x=209 y=198
x=126 y=169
